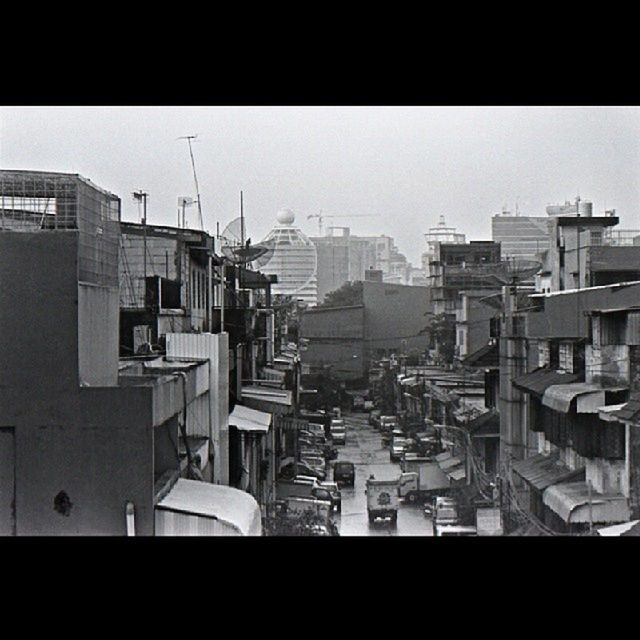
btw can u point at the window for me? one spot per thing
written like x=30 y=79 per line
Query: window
x=596 y=238
x=565 y=357
x=543 y=353
x=612 y=329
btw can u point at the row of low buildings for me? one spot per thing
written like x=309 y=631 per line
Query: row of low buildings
x=557 y=354
x=542 y=410
x=140 y=373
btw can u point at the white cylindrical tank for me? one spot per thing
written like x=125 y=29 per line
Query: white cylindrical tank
x=585 y=209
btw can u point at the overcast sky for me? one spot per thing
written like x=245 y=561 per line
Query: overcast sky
x=404 y=165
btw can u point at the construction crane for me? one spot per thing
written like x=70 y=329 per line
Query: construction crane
x=321 y=217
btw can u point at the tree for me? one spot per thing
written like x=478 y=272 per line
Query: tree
x=347 y=295
x=307 y=523
x=442 y=330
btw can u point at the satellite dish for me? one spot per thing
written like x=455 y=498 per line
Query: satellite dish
x=232 y=234
x=238 y=253
x=512 y=270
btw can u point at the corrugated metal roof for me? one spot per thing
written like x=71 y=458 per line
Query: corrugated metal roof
x=486 y=424
x=486 y=357
x=540 y=379
x=542 y=471
x=235 y=507
x=573 y=502
x=559 y=397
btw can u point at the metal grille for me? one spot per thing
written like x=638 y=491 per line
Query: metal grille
x=39 y=201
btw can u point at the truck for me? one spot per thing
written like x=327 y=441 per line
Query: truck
x=421 y=479
x=382 y=499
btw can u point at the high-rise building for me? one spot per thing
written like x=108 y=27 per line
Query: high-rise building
x=521 y=237
x=343 y=257
x=294 y=260
x=435 y=236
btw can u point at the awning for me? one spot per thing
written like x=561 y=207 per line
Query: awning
x=235 y=510
x=450 y=462
x=445 y=455
x=608 y=412
x=256 y=392
x=559 y=397
x=542 y=471
x=617 y=529
x=630 y=411
x=246 y=419
x=540 y=380
x=571 y=502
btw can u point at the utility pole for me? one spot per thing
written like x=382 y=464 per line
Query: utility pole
x=141 y=196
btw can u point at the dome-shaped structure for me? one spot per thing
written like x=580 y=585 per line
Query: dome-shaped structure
x=294 y=260
x=286 y=216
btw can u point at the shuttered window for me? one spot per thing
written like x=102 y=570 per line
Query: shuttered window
x=633 y=328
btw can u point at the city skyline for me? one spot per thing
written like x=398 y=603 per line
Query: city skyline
x=405 y=165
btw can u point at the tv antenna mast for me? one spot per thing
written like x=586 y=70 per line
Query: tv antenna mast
x=195 y=176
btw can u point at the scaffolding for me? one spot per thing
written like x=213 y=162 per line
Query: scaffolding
x=38 y=201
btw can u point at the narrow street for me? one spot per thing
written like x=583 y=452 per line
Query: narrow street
x=364 y=448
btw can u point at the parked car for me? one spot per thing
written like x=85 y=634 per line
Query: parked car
x=317 y=429
x=338 y=432
x=397 y=449
x=293 y=469
x=344 y=473
x=302 y=488
x=388 y=423
x=317 y=464
x=336 y=495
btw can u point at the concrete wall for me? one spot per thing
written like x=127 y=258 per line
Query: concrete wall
x=335 y=336
x=607 y=365
x=85 y=450
x=394 y=313
x=97 y=448
x=38 y=310
x=563 y=315
x=98 y=333
x=215 y=348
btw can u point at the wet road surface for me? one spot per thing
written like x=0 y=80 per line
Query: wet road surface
x=364 y=448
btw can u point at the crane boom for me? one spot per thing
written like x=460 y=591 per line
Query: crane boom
x=321 y=217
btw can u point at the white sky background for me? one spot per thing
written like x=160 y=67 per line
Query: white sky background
x=408 y=165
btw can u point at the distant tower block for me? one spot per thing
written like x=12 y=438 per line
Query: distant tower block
x=294 y=260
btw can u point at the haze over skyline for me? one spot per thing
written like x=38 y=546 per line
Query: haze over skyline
x=405 y=165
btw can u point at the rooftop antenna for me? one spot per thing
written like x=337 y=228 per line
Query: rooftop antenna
x=195 y=176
